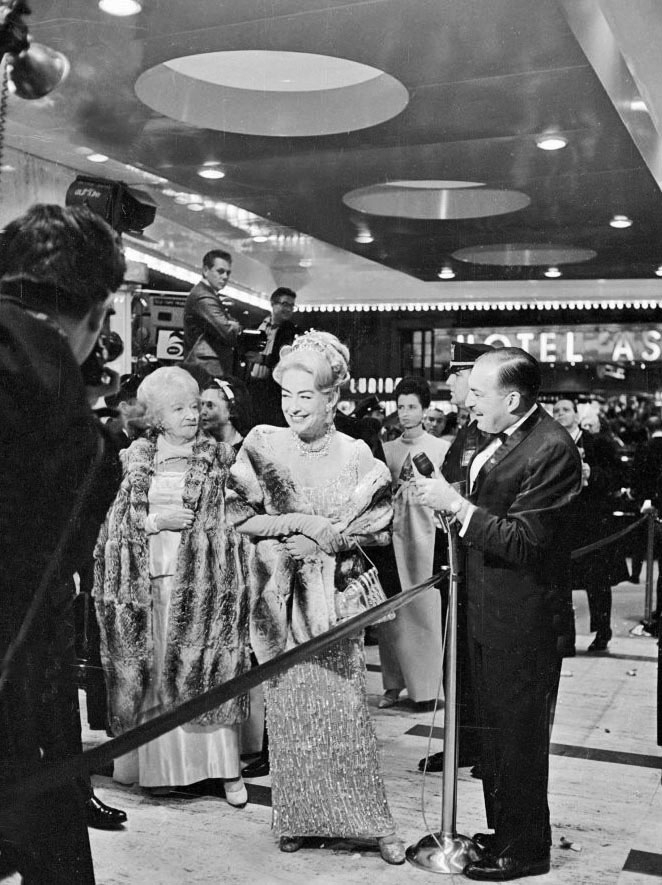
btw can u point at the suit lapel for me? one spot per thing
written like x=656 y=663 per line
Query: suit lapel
x=510 y=444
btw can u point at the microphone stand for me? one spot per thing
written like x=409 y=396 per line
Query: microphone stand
x=448 y=851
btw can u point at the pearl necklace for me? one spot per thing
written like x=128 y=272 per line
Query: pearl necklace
x=306 y=449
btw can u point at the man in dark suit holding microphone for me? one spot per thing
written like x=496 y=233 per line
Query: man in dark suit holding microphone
x=512 y=529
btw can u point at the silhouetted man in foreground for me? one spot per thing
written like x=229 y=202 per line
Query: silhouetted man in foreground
x=58 y=472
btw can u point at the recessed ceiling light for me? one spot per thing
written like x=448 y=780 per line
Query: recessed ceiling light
x=551 y=142
x=621 y=221
x=553 y=273
x=97 y=158
x=120 y=7
x=195 y=207
x=658 y=272
x=305 y=262
x=260 y=238
x=446 y=273
x=364 y=236
x=638 y=104
x=211 y=172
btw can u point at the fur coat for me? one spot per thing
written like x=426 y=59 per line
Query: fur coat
x=208 y=621
x=293 y=600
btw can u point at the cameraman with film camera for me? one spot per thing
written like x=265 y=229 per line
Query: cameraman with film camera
x=59 y=473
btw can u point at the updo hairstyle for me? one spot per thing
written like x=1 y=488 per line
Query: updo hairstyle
x=160 y=387
x=236 y=395
x=415 y=386
x=321 y=354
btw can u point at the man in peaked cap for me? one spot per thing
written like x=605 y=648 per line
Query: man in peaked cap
x=456 y=469
x=469 y=438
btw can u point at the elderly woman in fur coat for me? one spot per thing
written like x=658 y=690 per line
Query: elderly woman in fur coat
x=169 y=594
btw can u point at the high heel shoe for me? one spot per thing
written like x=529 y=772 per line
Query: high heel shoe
x=392 y=849
x=389 y=699
x=236 y=798
x=290 y=844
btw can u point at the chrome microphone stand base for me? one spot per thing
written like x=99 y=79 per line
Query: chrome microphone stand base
x=443 y=853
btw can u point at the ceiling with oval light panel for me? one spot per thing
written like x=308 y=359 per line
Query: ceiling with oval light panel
x=269 y=93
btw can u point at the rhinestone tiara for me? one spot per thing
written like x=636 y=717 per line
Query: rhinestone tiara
x=308 y=342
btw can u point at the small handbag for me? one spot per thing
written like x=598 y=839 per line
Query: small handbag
x=361 y=594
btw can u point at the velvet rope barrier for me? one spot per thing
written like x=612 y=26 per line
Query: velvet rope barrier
x=51 y=776
x=603 y=542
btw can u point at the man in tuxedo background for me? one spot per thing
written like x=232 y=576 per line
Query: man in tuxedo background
x=512 y=529
x=210 y=333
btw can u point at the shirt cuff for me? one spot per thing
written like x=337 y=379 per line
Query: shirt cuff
x=467 y=519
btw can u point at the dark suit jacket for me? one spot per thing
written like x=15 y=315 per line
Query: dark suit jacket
x=515 y=540
x=48 y=441
x=465 y=445
x=285 y=334
x=208 y=334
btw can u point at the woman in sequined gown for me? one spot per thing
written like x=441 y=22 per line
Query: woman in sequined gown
x=305 y=495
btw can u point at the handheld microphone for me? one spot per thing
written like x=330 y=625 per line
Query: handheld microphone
x=426 y=468
x=423 y=464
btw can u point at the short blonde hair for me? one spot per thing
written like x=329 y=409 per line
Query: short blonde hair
x=321 y=354
x=157 y=388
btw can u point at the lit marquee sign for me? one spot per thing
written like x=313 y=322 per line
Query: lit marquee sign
x=609 y=343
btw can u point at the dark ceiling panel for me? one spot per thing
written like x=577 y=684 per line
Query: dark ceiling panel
x=484 y=77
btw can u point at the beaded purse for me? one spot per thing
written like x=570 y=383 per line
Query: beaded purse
x=361 y=594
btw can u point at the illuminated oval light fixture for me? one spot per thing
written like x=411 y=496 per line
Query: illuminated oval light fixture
x=553 y=273
x=446 y=273
x=195 y=207
x=620 y=221
x=364 y=236
x=121 y=8
x=658 y=272
x=212 y=171
x=271 y=92
x=260 y=238
x=551 y=142
x=97 y=158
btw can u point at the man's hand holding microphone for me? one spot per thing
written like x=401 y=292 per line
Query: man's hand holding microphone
x=437 y=493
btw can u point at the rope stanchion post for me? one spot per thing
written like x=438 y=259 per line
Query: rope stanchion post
x=447 y=851
x=651 y=517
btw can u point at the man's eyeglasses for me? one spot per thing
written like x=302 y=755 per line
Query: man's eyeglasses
x=289 y=304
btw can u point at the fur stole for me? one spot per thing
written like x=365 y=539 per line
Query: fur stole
x=206 y=641
x=294 y=600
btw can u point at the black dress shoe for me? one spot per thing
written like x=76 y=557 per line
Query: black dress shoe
x=103 y=817
x=598 y=645
x=504 y=868
x=436 y=762
x=257 y=768
x=484 y=842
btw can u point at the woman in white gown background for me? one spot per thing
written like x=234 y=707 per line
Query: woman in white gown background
x=410 y=647
x=170 y=596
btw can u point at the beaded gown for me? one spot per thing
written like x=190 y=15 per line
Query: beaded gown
x=326 y=778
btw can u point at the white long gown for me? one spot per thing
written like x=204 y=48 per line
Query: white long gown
x=189 y=753
x=410 y=647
